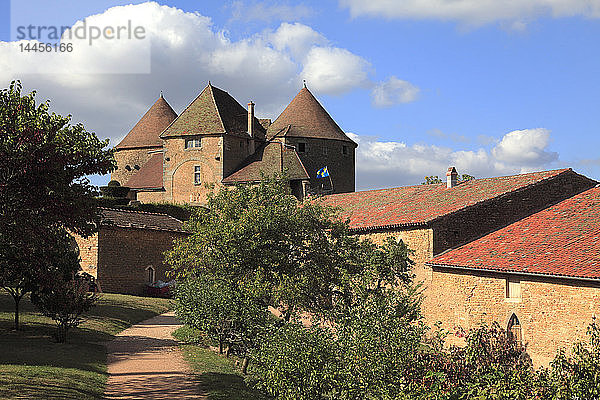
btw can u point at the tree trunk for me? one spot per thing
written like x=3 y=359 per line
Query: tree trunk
x=220 y=346
x=17 y=300
x=61 y=334
x=245 y=365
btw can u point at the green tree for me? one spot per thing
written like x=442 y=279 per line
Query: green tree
x=222 y=311
x=44 y=161
x=291 y=256
x=431 y=180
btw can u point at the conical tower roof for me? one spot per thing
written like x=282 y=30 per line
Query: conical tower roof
x=214 y=111
x=307 y=118
x=146 y=133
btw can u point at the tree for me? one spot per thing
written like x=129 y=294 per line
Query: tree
x=291 y=256
x=44 y=161
x=431 y=180
x=64 y=301
x=222 y=311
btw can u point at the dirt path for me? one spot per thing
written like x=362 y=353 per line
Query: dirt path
x=144 y=362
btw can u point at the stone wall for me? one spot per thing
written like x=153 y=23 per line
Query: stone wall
x=553 y=313
x=132 y=158
x=125 y=253
x=325 y=152
x=418 y=240
x=88 y=252
x=179 y=164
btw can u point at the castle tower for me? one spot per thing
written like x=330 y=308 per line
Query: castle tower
x=319 y=141
x=210 y=138
x=142 y=141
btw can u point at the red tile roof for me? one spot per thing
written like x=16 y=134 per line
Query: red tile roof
x=269 y=159
x=413 y=205
x=146 y=133
x=562 y=240
x=150 y=175
x=214 y=111
x=140 y=220
x=307 y=118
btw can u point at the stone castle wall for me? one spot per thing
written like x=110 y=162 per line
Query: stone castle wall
x=131 y=158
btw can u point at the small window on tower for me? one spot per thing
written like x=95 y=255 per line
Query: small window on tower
x=301 y=147
x=193 y=143
x=344 y=150
x=197 y=176
x=514 y=329
x=325 y=151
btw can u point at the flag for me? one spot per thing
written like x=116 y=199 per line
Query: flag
x=322 y=173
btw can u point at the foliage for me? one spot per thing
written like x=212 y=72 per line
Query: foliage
x=44 y=162
x=577 y=376
x=225 y=313
x=431 y=180
x=297 y=363
x=291 y=256
x=466 y=177
x=64 y=301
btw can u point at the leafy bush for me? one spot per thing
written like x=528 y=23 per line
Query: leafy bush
x=64 y=301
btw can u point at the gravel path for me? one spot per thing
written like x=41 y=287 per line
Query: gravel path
x=144 y=362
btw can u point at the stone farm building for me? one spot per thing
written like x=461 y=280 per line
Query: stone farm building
x=127 y=251
x=539 y=277
x=432 y=219
x=166 y=157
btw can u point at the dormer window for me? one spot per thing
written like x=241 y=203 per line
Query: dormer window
x=193 y=143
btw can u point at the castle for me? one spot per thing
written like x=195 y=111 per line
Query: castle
x=521 y=250
x=215 y=141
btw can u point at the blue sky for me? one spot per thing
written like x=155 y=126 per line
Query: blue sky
x=422 y=84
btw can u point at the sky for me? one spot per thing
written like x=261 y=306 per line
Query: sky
x=491 y=87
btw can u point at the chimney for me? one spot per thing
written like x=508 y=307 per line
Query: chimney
x=451 y=178
x=251 y=127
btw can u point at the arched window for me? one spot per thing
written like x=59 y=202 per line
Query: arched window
x=514 y=328
x=150 y=273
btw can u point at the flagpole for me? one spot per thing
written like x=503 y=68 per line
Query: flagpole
x=330 y=181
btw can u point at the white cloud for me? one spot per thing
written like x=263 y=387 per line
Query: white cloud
x=474 y=12
x=187 y=51
x=334 y=70
x=393 y=91
x=388 y=163
x=297 y=38
x=525 y=147
x=266 y=11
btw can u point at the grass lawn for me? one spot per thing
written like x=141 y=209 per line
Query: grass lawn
x=219 y=376
x=32 y=366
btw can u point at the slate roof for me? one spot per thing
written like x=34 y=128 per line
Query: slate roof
x=146 y=133
x=214 y=111
x=562 y=240
x=271 y=158
x=141 y=220
x=307 y=118
x=416 y=205
x=150 y=175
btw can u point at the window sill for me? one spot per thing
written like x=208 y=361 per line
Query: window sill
x=512 y=300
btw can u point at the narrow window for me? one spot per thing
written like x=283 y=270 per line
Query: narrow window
x=325 y=151
x=197 y=177
x=301 y=147
x=241 y=144
x=514 y=328
x=344 y=150
x=192 y=143
x=513 y=288
x=150 y=271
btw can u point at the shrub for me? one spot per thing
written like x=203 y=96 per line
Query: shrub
x=64 y=301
